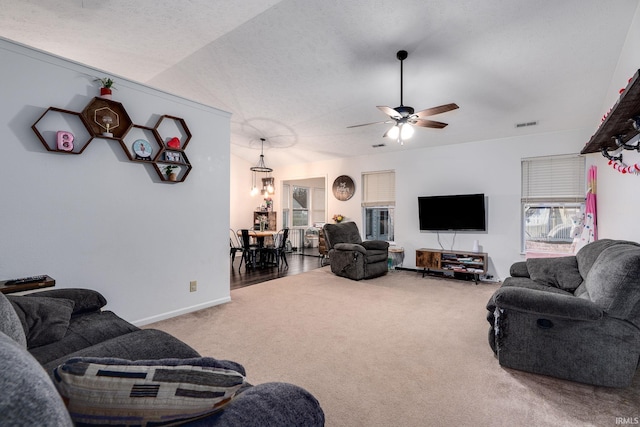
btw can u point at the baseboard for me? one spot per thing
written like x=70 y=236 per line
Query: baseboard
x=170 y=314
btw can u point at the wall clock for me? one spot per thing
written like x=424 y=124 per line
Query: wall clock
x=343 y=188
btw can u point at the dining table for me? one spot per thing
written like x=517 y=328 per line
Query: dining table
x=259 y=236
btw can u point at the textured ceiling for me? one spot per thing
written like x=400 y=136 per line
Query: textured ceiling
x=299 y=72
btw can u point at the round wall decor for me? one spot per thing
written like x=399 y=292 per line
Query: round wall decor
x=343 y=188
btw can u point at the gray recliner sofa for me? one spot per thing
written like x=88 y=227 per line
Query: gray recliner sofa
x=352 y=257
x=41 y=331
x=575 y=317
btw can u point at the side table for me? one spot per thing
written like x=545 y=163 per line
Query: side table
x=396 y=257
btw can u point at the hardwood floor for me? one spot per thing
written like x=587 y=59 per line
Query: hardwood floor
x=298 y=263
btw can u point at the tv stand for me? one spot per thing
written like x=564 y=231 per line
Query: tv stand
x=460 y=263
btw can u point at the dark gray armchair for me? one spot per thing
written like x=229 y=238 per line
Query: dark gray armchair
x=576 y=317
x=350 y=256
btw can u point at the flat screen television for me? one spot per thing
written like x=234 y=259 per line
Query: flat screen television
x=461 y=212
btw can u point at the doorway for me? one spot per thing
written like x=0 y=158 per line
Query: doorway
x=304 y=212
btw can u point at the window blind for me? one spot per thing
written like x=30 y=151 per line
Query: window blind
x=317 y=204
x=553 y=179
x=379 y=188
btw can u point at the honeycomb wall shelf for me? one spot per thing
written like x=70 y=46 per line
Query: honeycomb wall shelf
x=54 y=120
x=169 y=127
x=162 y=146
x=182 y=169
x=99 y=110
x=141 y=144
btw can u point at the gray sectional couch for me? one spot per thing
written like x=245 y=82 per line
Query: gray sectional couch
x=41 y=331
x=575 y=317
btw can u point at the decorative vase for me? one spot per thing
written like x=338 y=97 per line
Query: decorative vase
x=105 y=92
x=476 y=246
x=173 y=176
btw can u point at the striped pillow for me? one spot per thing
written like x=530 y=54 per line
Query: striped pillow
x=116 y=391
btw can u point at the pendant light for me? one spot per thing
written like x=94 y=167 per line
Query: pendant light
x=267 y=181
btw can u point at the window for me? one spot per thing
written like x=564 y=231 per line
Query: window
x=286 y=195
x=553 y=192
x=300 y=206
x=378 y=204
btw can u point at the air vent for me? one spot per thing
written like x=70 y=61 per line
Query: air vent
x=525 y=124
x=378 y=145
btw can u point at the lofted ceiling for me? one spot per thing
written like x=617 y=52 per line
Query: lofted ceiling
x=298 y=72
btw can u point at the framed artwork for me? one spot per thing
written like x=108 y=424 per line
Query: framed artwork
x=343 y=188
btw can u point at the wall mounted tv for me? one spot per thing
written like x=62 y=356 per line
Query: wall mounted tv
x=461 y=212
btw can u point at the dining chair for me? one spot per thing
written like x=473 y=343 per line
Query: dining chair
x=249 y=251
x=234 y=245
x=278 y=250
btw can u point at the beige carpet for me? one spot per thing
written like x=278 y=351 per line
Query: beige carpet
x=400 y=350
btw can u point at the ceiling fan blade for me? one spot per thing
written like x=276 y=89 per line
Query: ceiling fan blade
x=428 y=123
x=436 y=110
x=389 y=111
x=367 y=124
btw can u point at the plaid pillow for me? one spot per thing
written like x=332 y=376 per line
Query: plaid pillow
x=116 y=391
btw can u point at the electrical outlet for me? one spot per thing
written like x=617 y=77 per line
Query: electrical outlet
x=193 y=286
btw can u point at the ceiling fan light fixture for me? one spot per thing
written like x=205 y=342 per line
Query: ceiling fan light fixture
x=394 y=132
x=400 y=131
x=406 y=131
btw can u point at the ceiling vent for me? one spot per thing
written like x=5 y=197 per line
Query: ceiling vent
x=378 y=145
x=525 y=124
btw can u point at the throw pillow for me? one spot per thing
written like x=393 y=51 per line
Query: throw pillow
x=109 y=391
x=561 y=272
x=45 y=320
x=86 y=300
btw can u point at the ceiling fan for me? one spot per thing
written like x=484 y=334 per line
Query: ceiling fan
x=404 y=116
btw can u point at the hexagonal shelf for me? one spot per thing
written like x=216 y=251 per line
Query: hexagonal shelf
x=181 y=168
x=62 y=131
x=142 y=144
x=163 y=146
x=106 y=118
x=170 y=127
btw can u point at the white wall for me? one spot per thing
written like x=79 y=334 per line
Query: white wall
x=618 y=201
x=241 y=204
x=96 y=219
x=489 y=167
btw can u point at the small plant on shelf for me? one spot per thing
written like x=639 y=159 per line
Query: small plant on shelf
x=172 y=174
x=106 y=82
x=107 y=86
